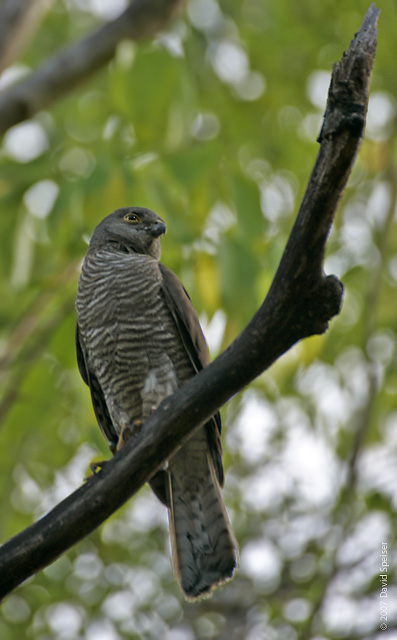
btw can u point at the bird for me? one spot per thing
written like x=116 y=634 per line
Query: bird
x=138 y=339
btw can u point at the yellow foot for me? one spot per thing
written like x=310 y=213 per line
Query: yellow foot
x=128 y=431
x=96 y=467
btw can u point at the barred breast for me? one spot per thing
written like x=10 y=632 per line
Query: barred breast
x=132 y=343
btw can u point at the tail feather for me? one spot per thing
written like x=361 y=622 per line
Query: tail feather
x=203 y=545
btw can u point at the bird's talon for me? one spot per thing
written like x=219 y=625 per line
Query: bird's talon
x=127 y=432
x=96 y=467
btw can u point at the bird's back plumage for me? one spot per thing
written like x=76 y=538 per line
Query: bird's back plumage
x=138 y=340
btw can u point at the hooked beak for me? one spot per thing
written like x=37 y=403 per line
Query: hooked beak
x=158 y=229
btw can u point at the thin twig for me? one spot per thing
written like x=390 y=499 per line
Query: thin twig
x=18 y=21
x=33 y=349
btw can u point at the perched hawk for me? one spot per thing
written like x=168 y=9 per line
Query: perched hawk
x=138 y=339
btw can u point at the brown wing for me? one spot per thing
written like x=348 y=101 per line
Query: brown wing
x=187 y=322
x=98 y=400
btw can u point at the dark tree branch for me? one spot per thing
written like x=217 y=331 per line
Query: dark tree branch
x=300 y=303
x=67 y=69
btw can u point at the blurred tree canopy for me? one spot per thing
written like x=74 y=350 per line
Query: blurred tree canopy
x=213 y=125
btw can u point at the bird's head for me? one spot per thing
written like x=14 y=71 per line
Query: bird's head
x=131 y=229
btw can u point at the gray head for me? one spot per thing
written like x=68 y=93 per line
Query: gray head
x=132 y=229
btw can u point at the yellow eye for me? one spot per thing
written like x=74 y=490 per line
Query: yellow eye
x=131 y=217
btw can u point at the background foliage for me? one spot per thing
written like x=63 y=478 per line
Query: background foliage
x=213 y=125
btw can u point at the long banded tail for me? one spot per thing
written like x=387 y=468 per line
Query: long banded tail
x=203 y=545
